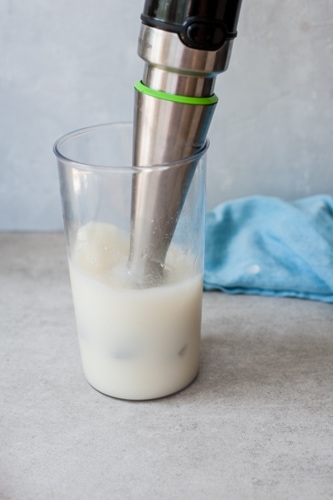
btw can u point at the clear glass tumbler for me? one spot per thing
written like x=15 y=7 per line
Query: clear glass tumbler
x=136 y=342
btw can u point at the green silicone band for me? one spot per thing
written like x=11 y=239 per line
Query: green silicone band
x=198 y=101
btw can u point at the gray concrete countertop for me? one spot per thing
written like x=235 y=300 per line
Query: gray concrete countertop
x=256 y=424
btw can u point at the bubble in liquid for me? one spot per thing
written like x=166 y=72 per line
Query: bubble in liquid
x=82 y=235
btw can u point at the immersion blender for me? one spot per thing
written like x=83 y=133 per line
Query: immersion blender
x=185 y=44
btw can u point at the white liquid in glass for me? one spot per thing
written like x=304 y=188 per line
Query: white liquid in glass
x=135 y=343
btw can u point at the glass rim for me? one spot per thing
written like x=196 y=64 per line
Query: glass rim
x=90 y=166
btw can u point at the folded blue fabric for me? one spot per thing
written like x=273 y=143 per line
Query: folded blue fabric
x=264 y=245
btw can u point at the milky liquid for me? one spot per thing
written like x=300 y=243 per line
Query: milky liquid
x=135 y=343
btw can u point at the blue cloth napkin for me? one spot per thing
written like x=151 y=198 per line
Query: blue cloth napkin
x=264 y=245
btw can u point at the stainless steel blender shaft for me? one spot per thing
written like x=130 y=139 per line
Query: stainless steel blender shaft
x=167 y=131
x=158 y=193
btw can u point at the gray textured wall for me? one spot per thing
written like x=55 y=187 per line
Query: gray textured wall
x=68 y=64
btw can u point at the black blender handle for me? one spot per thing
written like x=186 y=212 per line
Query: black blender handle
x=201 y=24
